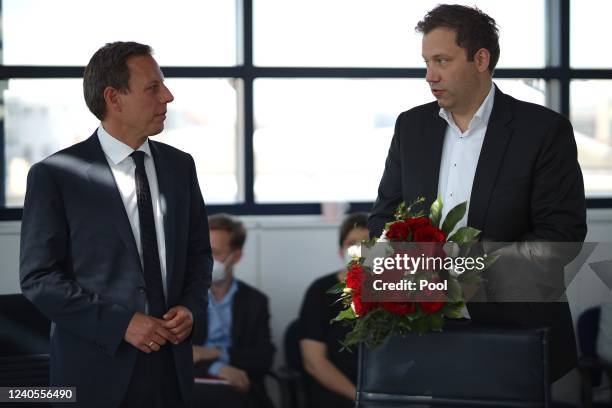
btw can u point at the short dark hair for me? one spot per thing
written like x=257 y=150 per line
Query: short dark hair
x=474 y=29
x=108 y=67
x=352 y=221
x=231 y=225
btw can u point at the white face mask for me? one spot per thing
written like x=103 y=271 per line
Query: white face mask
x=219 y=269
x=347 y=258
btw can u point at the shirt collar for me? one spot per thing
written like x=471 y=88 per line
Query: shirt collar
x=228 y=298
x=115 y=149
x=483 y=113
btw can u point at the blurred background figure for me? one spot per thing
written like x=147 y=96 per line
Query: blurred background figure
x=236 y=346
x=333 y=372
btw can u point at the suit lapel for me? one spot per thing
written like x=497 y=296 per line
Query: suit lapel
x=167 y=196
x=490 y=160
x=428 y=156
x=100 y=174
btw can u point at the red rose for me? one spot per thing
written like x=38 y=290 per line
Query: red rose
x=435 y=298
x=362 y=308
x=354 y=277
x=428 y=233
x=431 y=307
x=399 y=308
x=418 y=222
x=398 y=231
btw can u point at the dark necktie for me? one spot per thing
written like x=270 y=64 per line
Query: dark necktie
x=148 y=239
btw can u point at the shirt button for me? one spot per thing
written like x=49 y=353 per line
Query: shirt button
x=142 y=289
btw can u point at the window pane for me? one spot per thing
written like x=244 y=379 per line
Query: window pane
x=590 y=24
x=591 y=115
x=363 y=33
x=68 y=32
x=320 y=140
x=201 y=121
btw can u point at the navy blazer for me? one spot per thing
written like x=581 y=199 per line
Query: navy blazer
x=527 y=187
x=80 y=264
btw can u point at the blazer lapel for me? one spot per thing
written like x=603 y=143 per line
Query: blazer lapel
x=167 y=196
x=490 y=160
x=100 y=174
x=428 y=156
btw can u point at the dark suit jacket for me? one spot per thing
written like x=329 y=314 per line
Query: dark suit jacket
x=528 y=187
x=80 y=265
x=252 y=349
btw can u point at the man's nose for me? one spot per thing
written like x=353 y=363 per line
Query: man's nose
x=167 y=95
x=432 y=76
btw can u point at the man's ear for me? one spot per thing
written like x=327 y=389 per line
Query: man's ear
x=112 y=98
x=482 y=59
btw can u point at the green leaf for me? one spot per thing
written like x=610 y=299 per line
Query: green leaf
x=436 y=322
x=453 y=217
x=336 y=289
x=464 y=235
x=435 y=212
x=490 y=260
x=454 y=293
x=454 y=310
x=345 y=314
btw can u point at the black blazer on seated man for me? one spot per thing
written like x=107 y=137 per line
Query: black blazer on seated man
x=80 y=265
x=252 y=349
x=527 y=187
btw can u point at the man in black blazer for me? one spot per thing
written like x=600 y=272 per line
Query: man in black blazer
x=115 y=247
x=515 y=162
x=235 y=343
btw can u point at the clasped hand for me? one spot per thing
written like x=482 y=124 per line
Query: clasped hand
x=148 y=333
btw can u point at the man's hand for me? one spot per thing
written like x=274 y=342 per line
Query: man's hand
x=147 y=333
x=236 y=377
x=179 y=321
x=203 y=353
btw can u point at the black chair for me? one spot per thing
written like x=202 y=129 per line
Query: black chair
x=591 y=367
x=291 y=377
x=464 y=366
x=24 y=346
x=24 y=330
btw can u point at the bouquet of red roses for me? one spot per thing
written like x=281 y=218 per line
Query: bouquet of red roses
x=420 y=238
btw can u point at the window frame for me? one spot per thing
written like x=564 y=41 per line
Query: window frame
x=557 y=73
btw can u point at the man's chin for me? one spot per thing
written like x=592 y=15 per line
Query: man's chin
x=157 y=131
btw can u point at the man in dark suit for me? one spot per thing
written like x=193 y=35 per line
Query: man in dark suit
x=235 y=344
x=115 y=247
x=514 y=162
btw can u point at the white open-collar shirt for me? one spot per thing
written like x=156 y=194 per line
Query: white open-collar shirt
x=123 y=168
x=460 y=154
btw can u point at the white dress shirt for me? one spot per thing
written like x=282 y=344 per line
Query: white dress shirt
x=460 y=154
x=123 y=167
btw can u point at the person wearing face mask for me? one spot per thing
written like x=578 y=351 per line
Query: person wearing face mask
x=236 y=345
x=333 y=373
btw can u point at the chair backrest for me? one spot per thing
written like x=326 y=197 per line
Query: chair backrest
x=293 y=354
x=465 y=365
x=588 y=329
x=24 y=330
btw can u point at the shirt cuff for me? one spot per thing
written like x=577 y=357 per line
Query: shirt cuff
x=223 y=354
x=215 y=367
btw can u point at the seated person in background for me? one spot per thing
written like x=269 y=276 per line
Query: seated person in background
x=236 y=344
x=334 y=372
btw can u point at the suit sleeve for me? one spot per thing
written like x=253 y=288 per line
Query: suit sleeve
x=558 y=208
x=256 y=355
x=390 y=187
x=45 y=273
x=199 y=256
